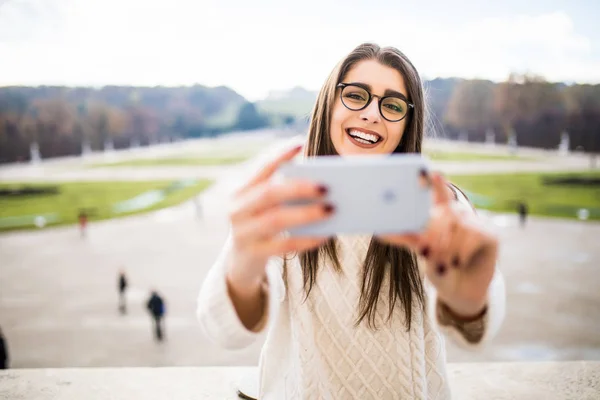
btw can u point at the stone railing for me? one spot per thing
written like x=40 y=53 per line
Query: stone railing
x=490 y=381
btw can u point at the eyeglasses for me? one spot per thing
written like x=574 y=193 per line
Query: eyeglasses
x=392 y=108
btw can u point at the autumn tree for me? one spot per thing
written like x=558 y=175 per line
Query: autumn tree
x=470 y=107
x=55 y=124
x=583 y=110
x=531 y=107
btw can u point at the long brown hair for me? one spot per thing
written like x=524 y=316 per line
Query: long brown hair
x=405 y=282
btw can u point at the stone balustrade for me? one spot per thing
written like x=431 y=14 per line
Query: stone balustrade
x=490 y=381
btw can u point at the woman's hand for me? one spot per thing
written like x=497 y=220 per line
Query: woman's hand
x=258 y=219
x=460 y=252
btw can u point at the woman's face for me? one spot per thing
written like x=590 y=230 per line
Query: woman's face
x=366 y=131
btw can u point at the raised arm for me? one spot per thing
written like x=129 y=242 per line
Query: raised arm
x=234 y=299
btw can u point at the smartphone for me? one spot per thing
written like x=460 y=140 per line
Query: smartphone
x=374 y=194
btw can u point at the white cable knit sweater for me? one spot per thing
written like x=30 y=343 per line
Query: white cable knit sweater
x=312 y=349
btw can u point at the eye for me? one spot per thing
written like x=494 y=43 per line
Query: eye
x=394 y=106
x=355 y=96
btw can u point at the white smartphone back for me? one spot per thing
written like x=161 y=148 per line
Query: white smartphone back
x=371 y=194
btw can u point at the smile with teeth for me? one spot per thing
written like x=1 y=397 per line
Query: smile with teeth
x=362 y=137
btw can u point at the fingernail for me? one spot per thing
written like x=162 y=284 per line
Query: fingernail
x=298 y=147
x=425 y=251
x=328 y=208
x=322 y=189
x=441 y=269
x=455 y=262
x=424 y=178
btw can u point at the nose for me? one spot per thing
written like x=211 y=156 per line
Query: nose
x=371 y=112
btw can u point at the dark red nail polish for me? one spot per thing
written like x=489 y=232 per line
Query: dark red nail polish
x=425 y=251
x=441 y=269
x=329 y=208
x=455 y=262
x=423 y=173
x=322 y=189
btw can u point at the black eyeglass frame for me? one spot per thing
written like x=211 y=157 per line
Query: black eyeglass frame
x=342 y=86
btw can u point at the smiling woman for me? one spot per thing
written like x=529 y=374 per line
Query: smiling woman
x=376 y=107
x=353 y=316
x=356 y=96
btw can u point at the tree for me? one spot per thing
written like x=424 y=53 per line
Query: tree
x=106 y=123
x=55 y=127
x=583 y=110
x=13 y=110
x=142 y=124
x=470 y=107
x=249 y=118
x=532 y=107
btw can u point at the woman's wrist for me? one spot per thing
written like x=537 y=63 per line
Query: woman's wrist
x=464 y=316
x=243 y=284
x=471 y=327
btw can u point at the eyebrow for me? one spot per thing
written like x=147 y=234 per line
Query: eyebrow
x=388 y=92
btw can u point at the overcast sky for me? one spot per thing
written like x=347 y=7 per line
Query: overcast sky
x=255 y=46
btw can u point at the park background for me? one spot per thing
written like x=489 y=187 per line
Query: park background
x=146 y=115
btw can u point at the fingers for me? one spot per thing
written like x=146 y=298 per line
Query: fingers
x=440 y=236
x=279 y=219
x=259 y=215
x=449 y=250
x=442 y=194
x=456 y=253
x=266 y=195
x=451 y=243
x=477 y=249
x=268 y=171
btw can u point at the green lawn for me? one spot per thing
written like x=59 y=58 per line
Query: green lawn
x=230 y=159
x=501 y=192
x=176 y=161
x=103 y=200
x=462 y=156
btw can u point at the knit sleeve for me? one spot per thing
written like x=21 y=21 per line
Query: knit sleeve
x=476 y=334
x=215 y=310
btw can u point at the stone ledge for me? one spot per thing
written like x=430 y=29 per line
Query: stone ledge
x=491 y=381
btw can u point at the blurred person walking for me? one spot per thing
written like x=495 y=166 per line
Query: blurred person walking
x=523 y=210
x=3 y=352
x=122 y=285
x=83 y=220
x=156 y=307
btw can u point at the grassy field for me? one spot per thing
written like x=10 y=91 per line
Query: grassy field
x=176 y=161
x=462 y=156
x=502 y=192
x=235 y=159
x=103 y=200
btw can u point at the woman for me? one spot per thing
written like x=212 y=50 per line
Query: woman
x=354 y=316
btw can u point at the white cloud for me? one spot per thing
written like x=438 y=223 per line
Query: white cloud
x=546 y=44
x=22 y=21
x=258 y=48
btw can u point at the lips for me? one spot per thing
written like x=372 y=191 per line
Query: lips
x=363 y=137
